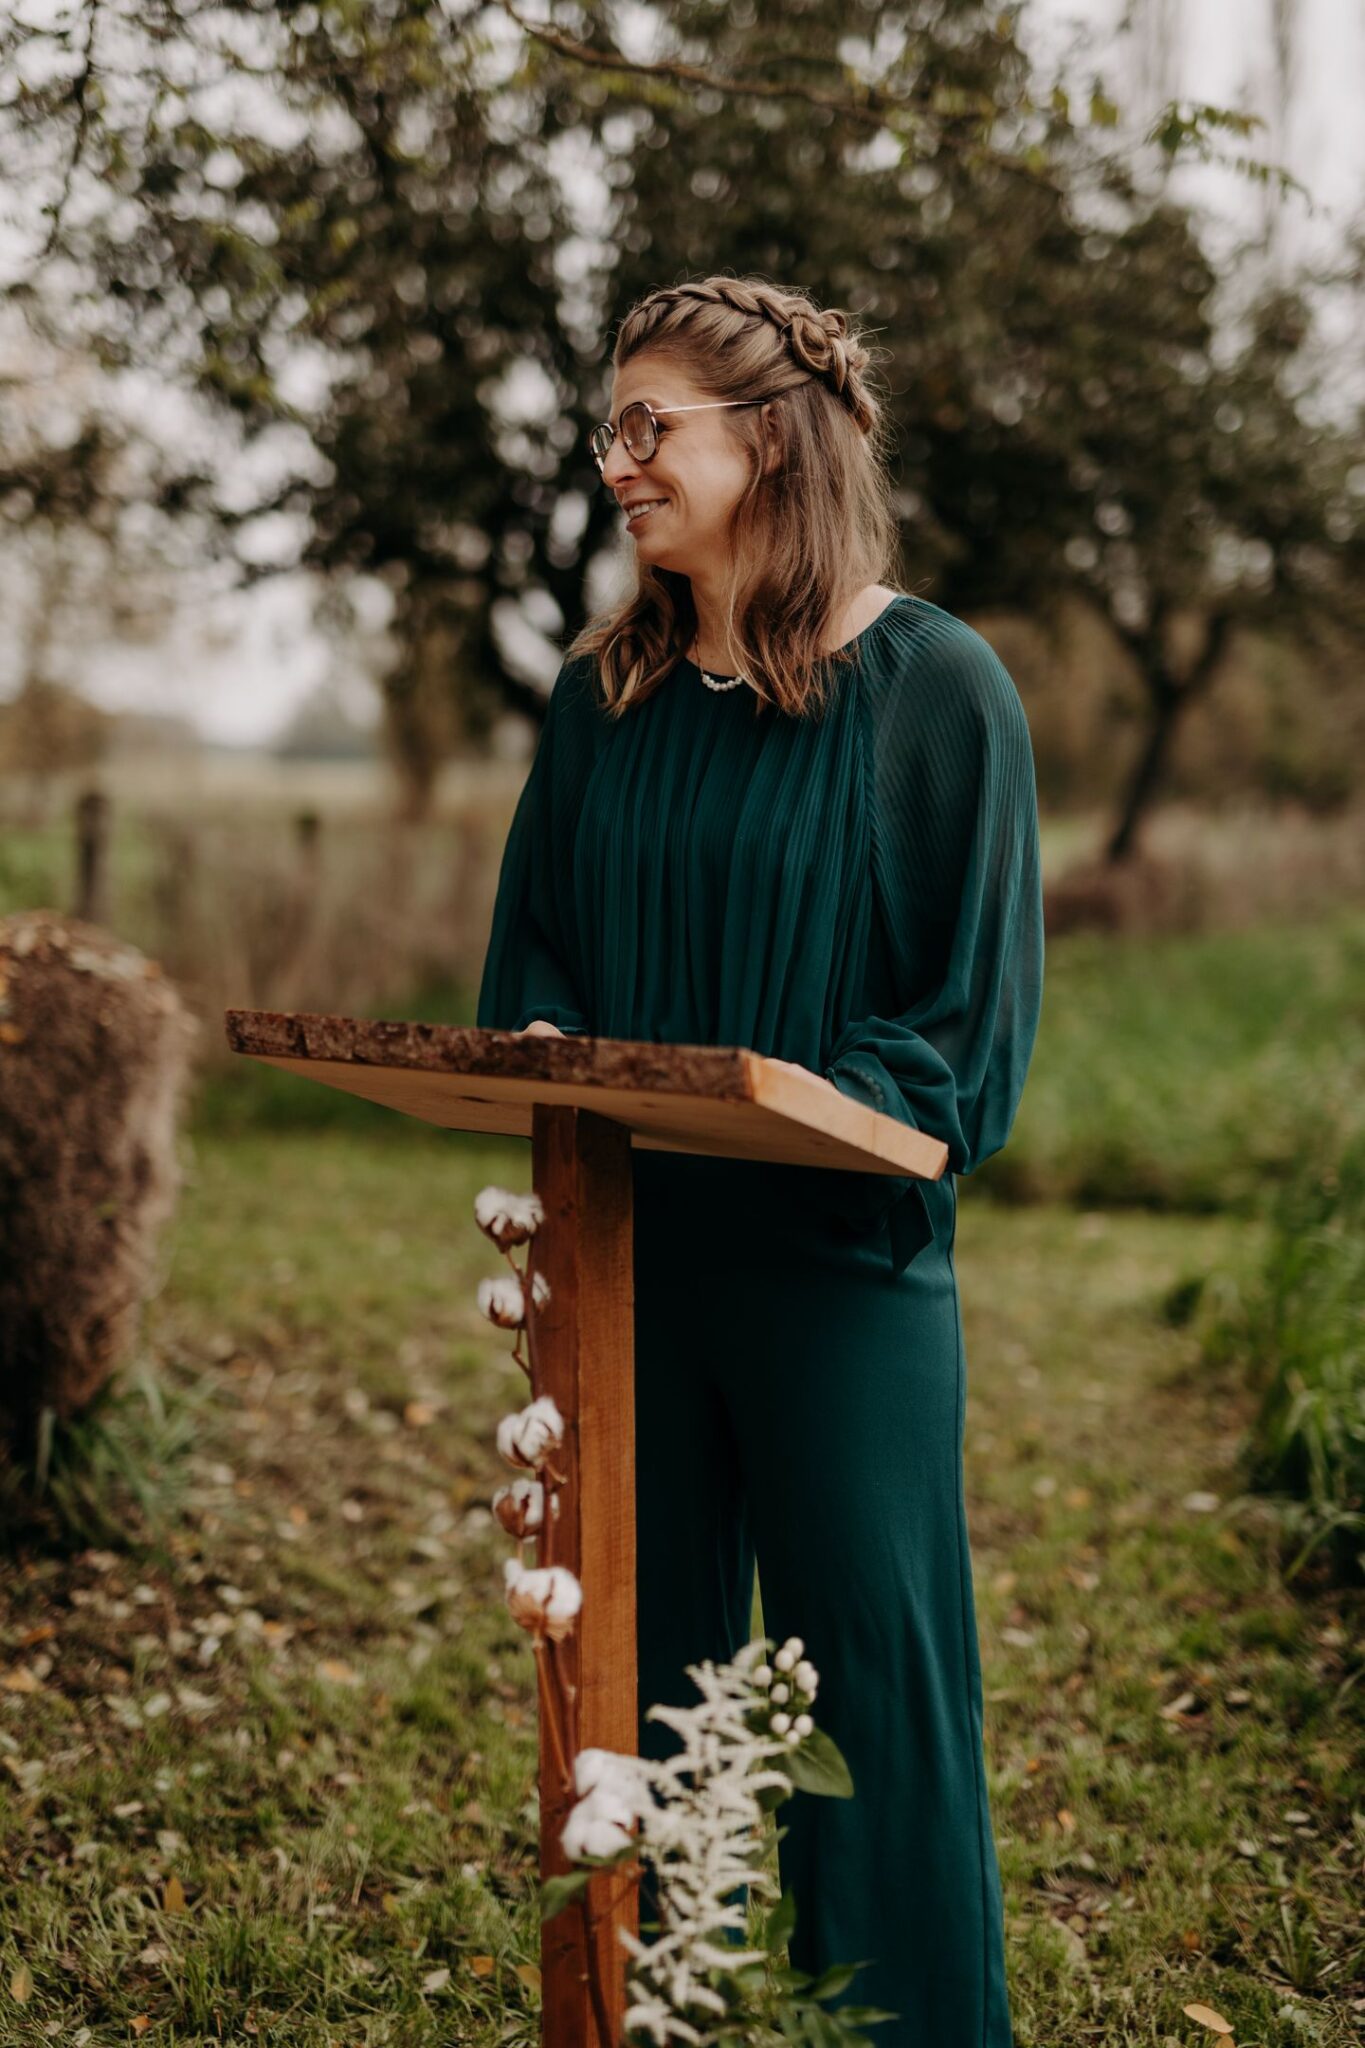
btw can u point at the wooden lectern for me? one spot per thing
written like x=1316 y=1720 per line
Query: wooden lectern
x=584 y=1102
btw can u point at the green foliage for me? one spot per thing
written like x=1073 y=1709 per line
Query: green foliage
x=387 y=201
x=816 y=1765
x=1299 y=1327
x=558 y=1892
x=1181 y=1072
x=339 y=1842
x=116 y=1468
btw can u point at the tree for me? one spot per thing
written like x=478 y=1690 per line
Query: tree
x=1053 y=349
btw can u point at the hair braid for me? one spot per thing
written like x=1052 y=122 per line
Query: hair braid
x=818 y=340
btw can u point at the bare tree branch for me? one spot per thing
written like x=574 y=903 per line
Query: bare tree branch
x=80 y=98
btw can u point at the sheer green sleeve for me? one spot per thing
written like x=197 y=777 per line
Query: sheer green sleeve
x=958 y=919
x=533 y=966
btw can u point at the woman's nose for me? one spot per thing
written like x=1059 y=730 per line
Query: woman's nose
x=620 y=467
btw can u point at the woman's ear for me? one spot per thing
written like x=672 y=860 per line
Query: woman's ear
x=772 y=452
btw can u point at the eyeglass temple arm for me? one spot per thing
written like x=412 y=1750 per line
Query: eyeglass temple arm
x=711 y=405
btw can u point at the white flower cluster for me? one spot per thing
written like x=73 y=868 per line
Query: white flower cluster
x=701 y=1825
x=790 y=1682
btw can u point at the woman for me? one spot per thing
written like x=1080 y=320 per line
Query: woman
x=779 y=804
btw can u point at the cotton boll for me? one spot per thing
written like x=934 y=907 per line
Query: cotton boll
x=609 y=1775
x=520 y=1507
x=591 y=1830
x=506 y=1217
x=544 y=1601
x=502 y=1301
x=528 y=1436
x=590 y=1767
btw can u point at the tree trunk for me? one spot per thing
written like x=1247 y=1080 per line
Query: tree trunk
x=1169 y=699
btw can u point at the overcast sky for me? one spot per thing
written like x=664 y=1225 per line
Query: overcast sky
x=266 y=659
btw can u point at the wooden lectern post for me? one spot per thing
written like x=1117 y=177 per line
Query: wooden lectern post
x=584 y=1102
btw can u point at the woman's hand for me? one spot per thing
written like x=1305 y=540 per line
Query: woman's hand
x=540 y=1027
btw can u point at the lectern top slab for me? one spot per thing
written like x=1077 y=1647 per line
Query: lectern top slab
x=724 y=1101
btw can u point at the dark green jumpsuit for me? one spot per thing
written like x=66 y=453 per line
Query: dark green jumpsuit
x=858 y=892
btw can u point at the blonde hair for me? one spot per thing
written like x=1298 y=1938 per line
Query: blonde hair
x=806 y=535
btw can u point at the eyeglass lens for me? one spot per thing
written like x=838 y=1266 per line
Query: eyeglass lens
x=637 y=431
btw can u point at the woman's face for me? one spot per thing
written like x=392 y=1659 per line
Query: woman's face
x=699 y=470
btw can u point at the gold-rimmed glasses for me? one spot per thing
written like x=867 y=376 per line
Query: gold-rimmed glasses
x=638 y=430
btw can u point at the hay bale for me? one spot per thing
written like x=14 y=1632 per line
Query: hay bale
x=94 y=1054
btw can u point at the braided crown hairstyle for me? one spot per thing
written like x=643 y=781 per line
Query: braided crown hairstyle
x=815 y=523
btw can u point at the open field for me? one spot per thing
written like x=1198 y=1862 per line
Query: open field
x=271 y=1779
x=267 y=1735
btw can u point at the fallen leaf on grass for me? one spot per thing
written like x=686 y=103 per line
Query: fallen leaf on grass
x=1173 y=1709
x=339 y=1672
x=21 y=1985
x=483 y=1966
x=435 y=1980
x=173 y=1898
x=140 y=2023
x=1207 y=2017
x=21 y=1679
x=529 y=1975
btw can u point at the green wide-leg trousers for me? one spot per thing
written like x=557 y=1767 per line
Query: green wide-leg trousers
x=800 y=1408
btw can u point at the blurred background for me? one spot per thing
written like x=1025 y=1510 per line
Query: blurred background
x=305 y=312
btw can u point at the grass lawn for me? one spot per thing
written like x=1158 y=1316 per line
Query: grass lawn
x=271 y=1778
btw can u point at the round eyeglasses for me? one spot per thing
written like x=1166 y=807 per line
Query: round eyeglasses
x=638 y=429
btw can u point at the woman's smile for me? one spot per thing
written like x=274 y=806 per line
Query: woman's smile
x=642 y=511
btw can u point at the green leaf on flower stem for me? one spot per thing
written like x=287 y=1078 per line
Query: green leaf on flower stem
x=750 y=1976
x=557 y=1892
x=817 y=1765
x=780 y=1921
x=835 y=1979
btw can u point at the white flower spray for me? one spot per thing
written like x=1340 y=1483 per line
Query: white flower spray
x=697 y=1817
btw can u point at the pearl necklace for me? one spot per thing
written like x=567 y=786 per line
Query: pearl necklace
x=720 y=682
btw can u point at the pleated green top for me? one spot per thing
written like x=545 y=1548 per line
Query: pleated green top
x=857 y=891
